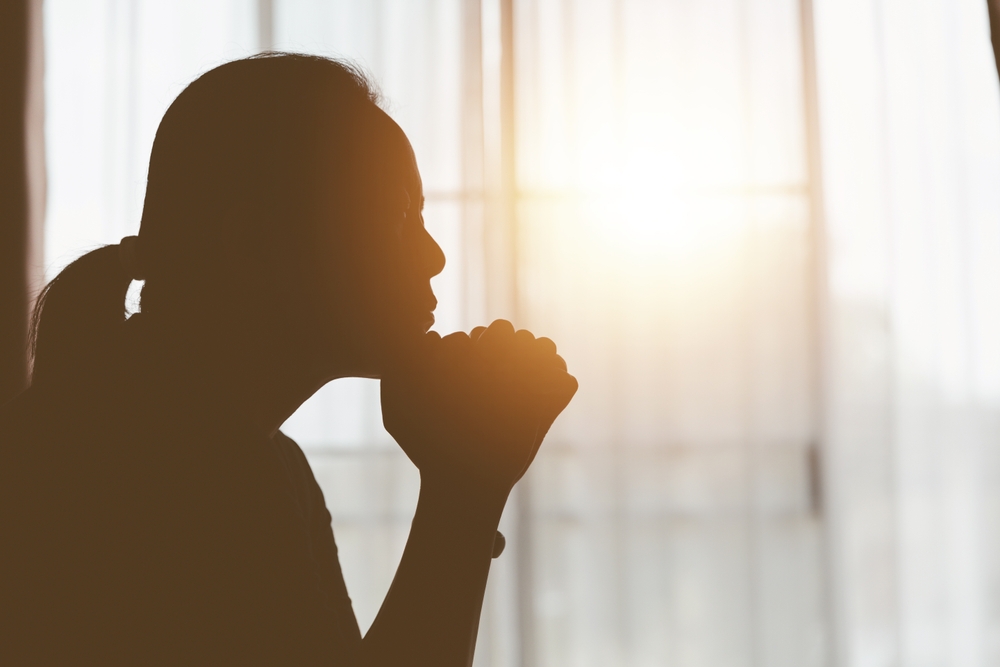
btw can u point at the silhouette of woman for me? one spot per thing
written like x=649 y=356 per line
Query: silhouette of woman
x=151 y=512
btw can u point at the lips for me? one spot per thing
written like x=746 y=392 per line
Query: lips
x=424 y=314
x=417 y=311
x=429 y=305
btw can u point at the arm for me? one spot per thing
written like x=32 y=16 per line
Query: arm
x=431 y=613
x=471 y=415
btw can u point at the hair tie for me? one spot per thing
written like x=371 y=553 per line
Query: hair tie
x=128 y=255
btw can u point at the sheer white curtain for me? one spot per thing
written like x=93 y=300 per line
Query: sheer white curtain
x=665 y=243
x=911 y=144
x=782 y=448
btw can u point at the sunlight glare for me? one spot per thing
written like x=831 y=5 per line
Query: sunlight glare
x=648 y=214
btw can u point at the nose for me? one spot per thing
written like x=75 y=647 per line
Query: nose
x=432 y=255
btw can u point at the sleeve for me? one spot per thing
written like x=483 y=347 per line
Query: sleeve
x=322 y=542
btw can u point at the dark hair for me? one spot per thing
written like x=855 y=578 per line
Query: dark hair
x=234 y=160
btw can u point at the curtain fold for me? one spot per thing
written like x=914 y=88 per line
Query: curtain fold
x=21 y=183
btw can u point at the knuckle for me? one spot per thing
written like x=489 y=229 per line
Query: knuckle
x=546 y=343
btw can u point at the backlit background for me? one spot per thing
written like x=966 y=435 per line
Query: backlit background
x=765 y=235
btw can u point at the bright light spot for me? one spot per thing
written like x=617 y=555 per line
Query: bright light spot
x=648 y=214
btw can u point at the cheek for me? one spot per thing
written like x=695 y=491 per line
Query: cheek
x=370 y=288
x=370 y=281
x=382 y=268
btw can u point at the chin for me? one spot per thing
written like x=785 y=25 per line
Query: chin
x=418 y=323
x=391 y=346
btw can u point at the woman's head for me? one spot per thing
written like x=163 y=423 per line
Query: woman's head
x=283 y=209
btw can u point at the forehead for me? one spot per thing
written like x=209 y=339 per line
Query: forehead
x=398 y=161
x=366 y=164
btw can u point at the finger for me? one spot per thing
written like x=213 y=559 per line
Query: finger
x=455 y=348
x=569 y=386
x=545 y=345
x=497 y=335
x=524 y=337
x=499 y=328
x=477 y=332
x=552 y=378
x=542 y=353
x=558 y=390
x=457 y=339
x=560 y=363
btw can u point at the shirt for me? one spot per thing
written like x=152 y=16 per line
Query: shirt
x=139 y=527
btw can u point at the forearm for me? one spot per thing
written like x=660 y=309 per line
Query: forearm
x=430 y=615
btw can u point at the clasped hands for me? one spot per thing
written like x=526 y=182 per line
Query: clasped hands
x=470 y=410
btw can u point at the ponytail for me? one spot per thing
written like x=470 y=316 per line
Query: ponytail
x=78 y=317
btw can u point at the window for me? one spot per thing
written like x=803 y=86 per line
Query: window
x=774 y=277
